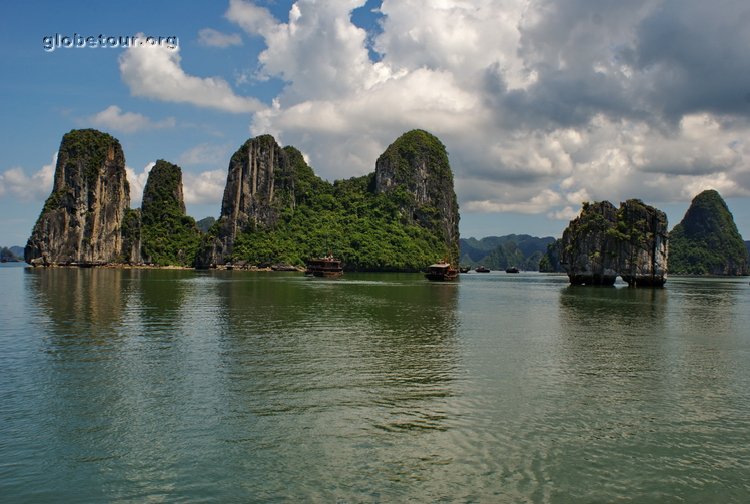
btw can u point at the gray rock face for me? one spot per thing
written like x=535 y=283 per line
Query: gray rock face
x=644 y=244
x=417 y=163
x=82 y=218
x=259 y=174
x=251 y=183
x=604 y=242
x=589 y=251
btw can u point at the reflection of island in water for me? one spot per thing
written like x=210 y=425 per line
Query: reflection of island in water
x=707 y=305
x=78 y=301
x=627 y=345
x=123 y=370
x=647 y=373
x=354 y=340
x=618 y=309
x=267 y=374
x=329 y=367
x=611 y=331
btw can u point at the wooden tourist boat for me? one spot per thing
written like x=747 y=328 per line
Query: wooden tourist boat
x=441 y=272
x=327 y=267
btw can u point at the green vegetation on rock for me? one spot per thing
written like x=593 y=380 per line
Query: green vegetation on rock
x=706 y=241
x=80 y=222
x=550 y=261
x=415 y=172
x=90 y=145
x=363 y=229
x=604 y=242
x=402 y=217
x=168 y=236
x=131 y=236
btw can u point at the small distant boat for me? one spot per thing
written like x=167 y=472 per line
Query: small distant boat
x=482 y=269
x=324 y=267
x=441 y=272
x=512 y=269
x=464 y=269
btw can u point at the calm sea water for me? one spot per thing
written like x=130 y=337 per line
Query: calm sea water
x=181 y=386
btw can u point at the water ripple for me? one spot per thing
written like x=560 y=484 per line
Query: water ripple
x=184 y=386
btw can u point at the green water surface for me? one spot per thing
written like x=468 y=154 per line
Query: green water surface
x=182 y=386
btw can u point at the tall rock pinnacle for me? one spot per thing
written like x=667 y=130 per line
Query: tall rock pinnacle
x=258 y=178
x=82 y=218
x=417 y=163
x=706 y=241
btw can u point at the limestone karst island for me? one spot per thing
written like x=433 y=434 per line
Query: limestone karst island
x=401 y=217
x=275 y=210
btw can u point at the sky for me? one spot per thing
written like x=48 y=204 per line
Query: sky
x=541 y=104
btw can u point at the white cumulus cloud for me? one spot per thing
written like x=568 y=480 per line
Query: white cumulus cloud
x=205 y=187
x=113 y=118
x=137 y=182
x=541 y=104
x=36 y=186
x=154 y=71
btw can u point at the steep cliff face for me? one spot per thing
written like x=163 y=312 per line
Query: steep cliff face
x=415 y=169
x=252 y=184
x=259 y=185
x=168 y=236
x=589 y=251
x=604 y=242
x=82 y=218
x=706 y=241
x=642 y=231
